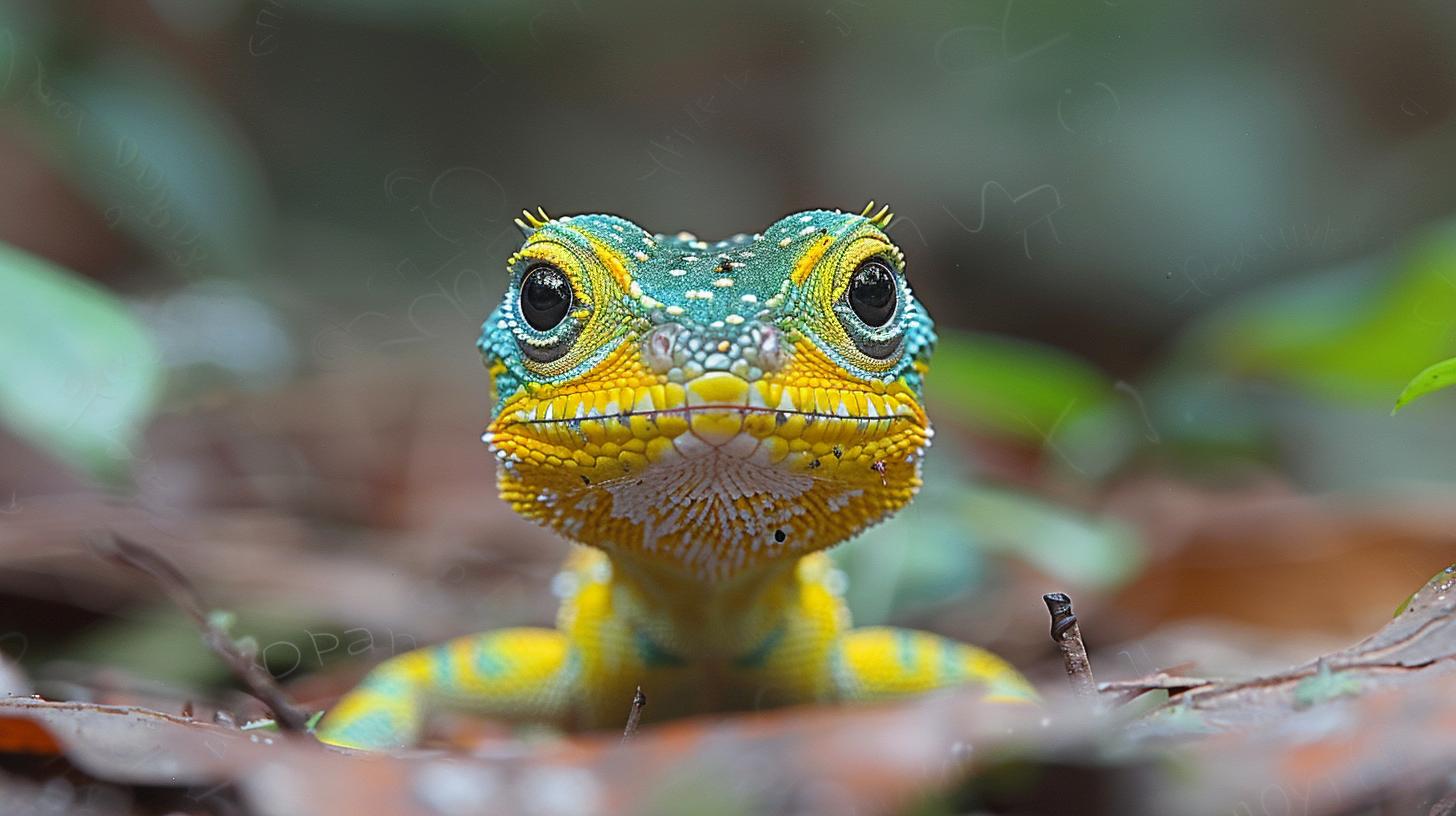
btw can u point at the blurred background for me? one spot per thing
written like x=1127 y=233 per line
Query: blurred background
x=1184 y=259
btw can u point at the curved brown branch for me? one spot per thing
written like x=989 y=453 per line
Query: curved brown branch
x=174 y=583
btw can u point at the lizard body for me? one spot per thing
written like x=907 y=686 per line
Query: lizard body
x=708 y=418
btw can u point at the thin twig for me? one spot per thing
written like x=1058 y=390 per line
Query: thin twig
x=1121 y=692
x=1068 y=636
x=634 y=717
x=253 y=677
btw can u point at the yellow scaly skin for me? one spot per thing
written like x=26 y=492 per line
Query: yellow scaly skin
x=707 y=419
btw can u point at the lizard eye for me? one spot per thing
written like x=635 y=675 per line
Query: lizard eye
x=545 y=297
x=872 y=293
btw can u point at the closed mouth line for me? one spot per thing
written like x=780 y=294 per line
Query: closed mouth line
x=742 y=410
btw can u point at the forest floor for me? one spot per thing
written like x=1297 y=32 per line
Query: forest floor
x=1251 y=666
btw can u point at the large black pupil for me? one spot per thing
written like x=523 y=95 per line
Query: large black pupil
x=545 y=297
x=872 y=293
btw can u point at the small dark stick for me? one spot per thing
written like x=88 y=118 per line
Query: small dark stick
x=639 y=702
x=1068 y=636
x=176 y=586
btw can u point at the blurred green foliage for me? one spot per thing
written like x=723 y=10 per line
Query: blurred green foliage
x=78 y=375
x=936 y=550
x=1298 y=376
x=159 y=643
x=1350 y=333
x=161 y=161
x=165 y=164
x=1012 y=387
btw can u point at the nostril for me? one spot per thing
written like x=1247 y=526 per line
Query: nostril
x=658 y=350
x=770 y=349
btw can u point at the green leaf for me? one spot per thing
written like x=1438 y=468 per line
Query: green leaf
x=1345 y=334
x=175 y=170
x=1441 y=375
x=1439 y=584
x=78 y=374
x=1011 y=387
x=1075 y=549
x=161 y=161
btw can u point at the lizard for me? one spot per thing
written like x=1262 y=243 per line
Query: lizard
x=703 y=420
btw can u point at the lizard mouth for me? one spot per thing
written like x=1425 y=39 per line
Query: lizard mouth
x=743 y=410
x=609 y=447
x=719 y=394
x=610 y=432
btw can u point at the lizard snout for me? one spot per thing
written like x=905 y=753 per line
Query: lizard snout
x=749 y=350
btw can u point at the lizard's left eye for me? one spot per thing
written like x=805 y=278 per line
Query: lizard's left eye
x=872 y=293
x=545 y=297
x=871 y=306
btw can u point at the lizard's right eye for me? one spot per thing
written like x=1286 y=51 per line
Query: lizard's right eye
x=545 y=297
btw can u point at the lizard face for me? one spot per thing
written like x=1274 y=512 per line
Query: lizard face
x=712 y=405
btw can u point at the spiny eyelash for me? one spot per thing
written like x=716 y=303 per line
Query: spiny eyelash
x=533 y=221
x=880 y=219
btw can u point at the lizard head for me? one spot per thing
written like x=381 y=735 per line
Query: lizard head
x=709 y=405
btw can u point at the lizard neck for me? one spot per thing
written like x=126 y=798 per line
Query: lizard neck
x=693 y=618
x=763 y=637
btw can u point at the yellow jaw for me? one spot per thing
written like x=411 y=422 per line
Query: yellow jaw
x=717 y=473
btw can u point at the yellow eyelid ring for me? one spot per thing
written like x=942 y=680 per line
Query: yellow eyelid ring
x=549 y=351
x=833 y=323
x=598 y=321
x=567 y=258
x=862 y=249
